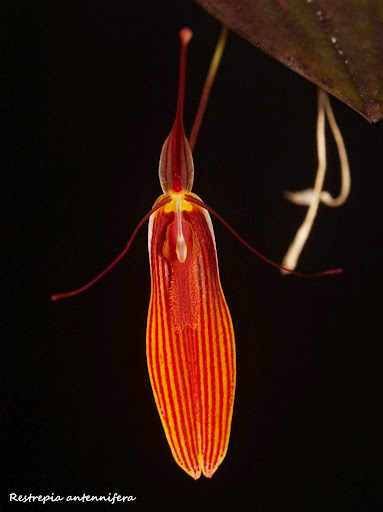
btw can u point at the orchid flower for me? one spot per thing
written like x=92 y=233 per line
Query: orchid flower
x=190 y=338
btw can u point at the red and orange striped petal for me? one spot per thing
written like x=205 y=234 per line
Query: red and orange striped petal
x=190 y=344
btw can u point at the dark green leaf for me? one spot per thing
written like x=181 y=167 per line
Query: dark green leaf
x=337 y=44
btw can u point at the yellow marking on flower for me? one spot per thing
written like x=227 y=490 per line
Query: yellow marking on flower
x=176 y=199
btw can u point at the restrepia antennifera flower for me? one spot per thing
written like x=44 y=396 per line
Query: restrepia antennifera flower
x=190 y=338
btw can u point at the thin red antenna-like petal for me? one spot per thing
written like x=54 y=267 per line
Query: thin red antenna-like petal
x=253 y=250
x=77 y=291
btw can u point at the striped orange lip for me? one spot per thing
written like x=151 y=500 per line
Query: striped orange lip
x=190 y=341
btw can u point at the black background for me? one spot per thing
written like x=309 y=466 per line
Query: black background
x=89 y=93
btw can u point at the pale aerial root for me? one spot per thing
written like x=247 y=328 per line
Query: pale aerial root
x=313 y=196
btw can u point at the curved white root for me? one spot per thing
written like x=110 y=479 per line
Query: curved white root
x=313 y=196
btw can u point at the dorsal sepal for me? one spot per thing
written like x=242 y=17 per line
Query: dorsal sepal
x=176 y=169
